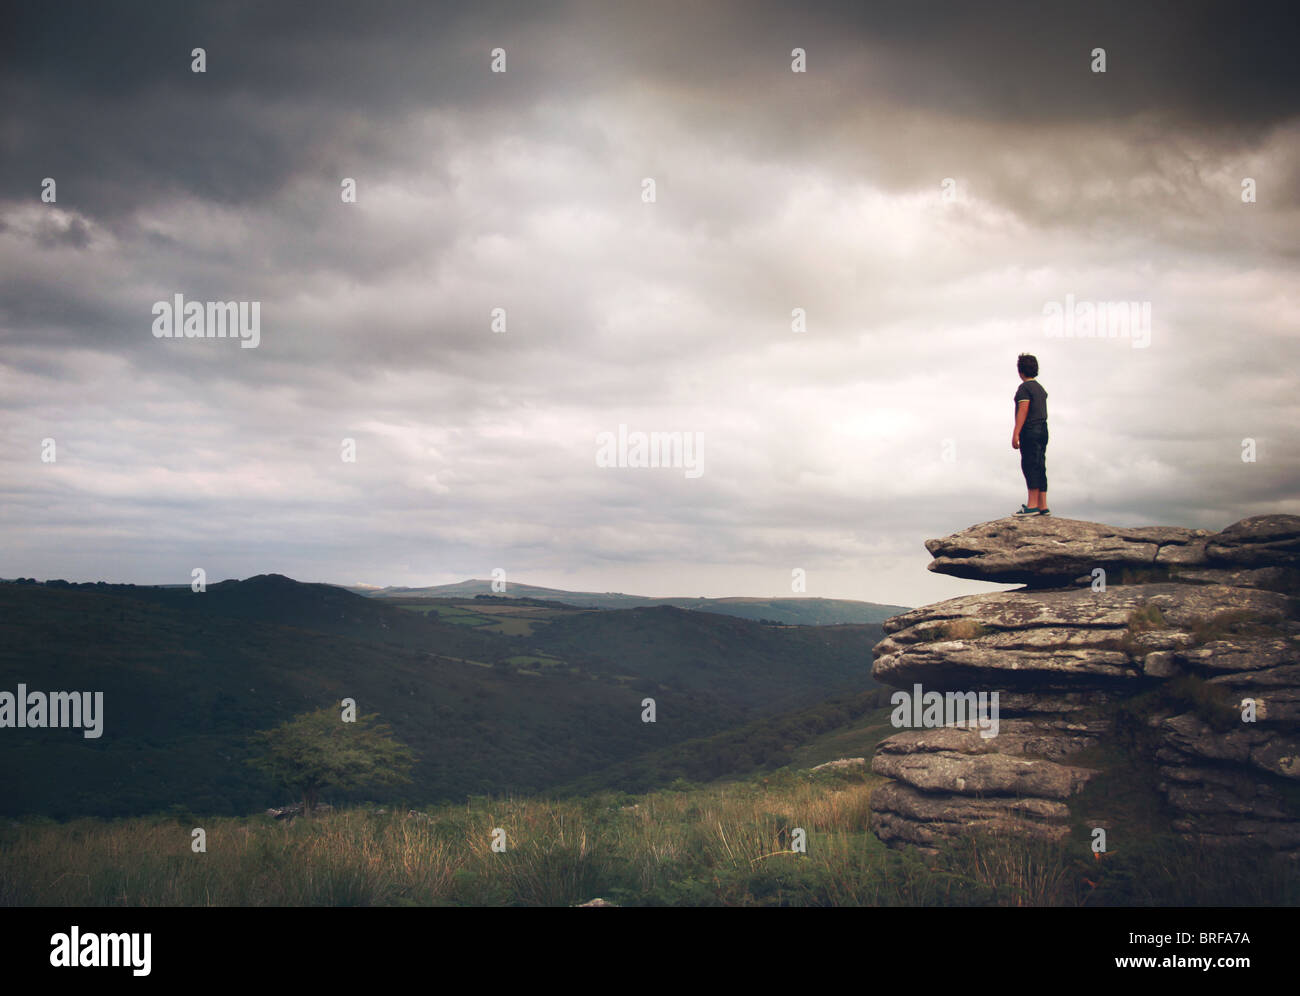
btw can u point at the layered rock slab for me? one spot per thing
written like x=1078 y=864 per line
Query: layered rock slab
x=904 y=815
x=1218 y=609
x=1045 y=551
x=1069 y=636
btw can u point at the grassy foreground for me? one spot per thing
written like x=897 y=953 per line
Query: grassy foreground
x=717 y=845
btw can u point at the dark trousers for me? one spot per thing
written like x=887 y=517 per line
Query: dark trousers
x=1033 y=455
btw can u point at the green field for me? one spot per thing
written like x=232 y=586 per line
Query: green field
x=507 y=618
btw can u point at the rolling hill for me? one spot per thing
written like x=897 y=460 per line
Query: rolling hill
x=494 y=695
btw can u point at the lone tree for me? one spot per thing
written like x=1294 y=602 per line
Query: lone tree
x=318 y=750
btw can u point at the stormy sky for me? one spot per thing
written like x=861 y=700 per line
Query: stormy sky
x=937 y=177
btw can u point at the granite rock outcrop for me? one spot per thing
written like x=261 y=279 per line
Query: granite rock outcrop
x=1162 y=652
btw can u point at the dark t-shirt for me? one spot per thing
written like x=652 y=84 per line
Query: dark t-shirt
x=1032 y=391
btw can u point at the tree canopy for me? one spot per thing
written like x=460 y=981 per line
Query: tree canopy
x=318 y=750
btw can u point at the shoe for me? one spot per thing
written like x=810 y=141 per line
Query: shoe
x=1044 y=511
x=1026 y=510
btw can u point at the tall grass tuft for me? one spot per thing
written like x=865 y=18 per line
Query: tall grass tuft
x=730 y=844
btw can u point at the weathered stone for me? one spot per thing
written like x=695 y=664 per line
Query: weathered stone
x=1180 y=556
x=903 y=815
x=1050 y=550
x=1160 y=664
x=1259 y=541
x=1243 y=654
x=1268 y=578
x=1075 y=635
x=953 y=665
x=1080 y=610
x=1280 y=755
x=1212 y=611
x=1053 y=700
x=1251 y=745
x=1191 y=789
x=980 y=774
x=1275 y=692
x=1240 y=831
x=1010 y=610
x=1049 y=739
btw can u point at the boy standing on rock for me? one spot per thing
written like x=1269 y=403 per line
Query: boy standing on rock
x=1030 y=435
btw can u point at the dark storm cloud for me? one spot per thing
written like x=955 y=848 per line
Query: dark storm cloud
x=293 y=89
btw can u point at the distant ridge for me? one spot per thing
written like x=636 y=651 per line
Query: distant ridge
x=806 y=611
x=495 y=695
